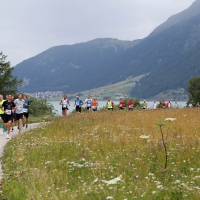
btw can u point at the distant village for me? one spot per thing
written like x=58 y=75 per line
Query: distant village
x=43 y=95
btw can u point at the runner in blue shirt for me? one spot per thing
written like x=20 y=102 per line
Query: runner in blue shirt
x=78 y=103
x=26 y=110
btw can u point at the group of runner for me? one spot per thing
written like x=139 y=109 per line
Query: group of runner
x=14 y=111
x=131 y=105
x=92 y=104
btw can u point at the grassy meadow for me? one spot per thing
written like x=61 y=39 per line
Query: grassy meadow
x=107 y=155
x=42 y=118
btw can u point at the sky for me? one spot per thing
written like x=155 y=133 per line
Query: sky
x=29 y=27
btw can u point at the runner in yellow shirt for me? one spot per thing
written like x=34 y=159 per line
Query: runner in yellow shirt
x=2 y=112
x=110 y=104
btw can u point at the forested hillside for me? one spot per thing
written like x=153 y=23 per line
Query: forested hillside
x=71 y=68
x=175 y=61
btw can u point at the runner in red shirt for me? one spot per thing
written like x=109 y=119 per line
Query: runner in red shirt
x=121 y=104
x=130 y=104
x=163 y=105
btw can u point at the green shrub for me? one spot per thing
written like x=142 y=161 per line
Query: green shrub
x=40 y=107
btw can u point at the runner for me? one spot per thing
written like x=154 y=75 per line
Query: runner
x=65 y=103
x=5 y=130
x=163 y=105
x=26 y=110
x=154 y=105
x=169 y=104
x=121 y=104
x=19 y=109
x=176 y=105
x=110 y=104
x=130 y=104
x=94 y=104
x=9 y=108
x=78 y=103
x=88 y=103
x=2 y=112
x=14 y=119
x=144 y=105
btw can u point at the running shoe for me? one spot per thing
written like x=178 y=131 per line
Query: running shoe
x=7 y=136
x=26 y=125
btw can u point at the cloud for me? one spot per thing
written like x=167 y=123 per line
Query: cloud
x=30 y=27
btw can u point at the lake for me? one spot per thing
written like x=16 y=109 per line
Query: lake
x=103 y=103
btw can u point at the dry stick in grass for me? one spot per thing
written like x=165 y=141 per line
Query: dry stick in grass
x=160 y=123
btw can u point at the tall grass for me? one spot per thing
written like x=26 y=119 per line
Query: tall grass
x=106 y=155
x=41 y=118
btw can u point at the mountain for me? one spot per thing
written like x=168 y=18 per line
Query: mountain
x=191 y=12
x=172 y=59
x=71 y=68
x=168 y=57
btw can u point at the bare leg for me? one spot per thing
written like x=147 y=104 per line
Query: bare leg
x=8 y=125
x=64 y=113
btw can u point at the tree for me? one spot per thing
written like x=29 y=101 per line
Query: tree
x=8 y=83
x=194 y=90
x=40 y=107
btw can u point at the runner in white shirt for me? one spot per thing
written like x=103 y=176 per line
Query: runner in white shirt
x=154 y=105
x=65 y=103
x=176 y=105
x=169 y=104
x=88 y=103
x=19 y=109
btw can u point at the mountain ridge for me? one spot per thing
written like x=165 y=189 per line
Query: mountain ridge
x=74 y=60
x=188 y=13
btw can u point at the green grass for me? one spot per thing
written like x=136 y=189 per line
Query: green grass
x=43 y=118
x=77 y=157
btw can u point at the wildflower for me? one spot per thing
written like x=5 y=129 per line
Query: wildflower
x=159 y=186
x=170 y=119
x=96 y=180
x=113 y=181
x=109 y=197
x=145 y=136
x=82 y=159
x=47 y=162
x=151 y=174
x=137 y=176
x=21 y=158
